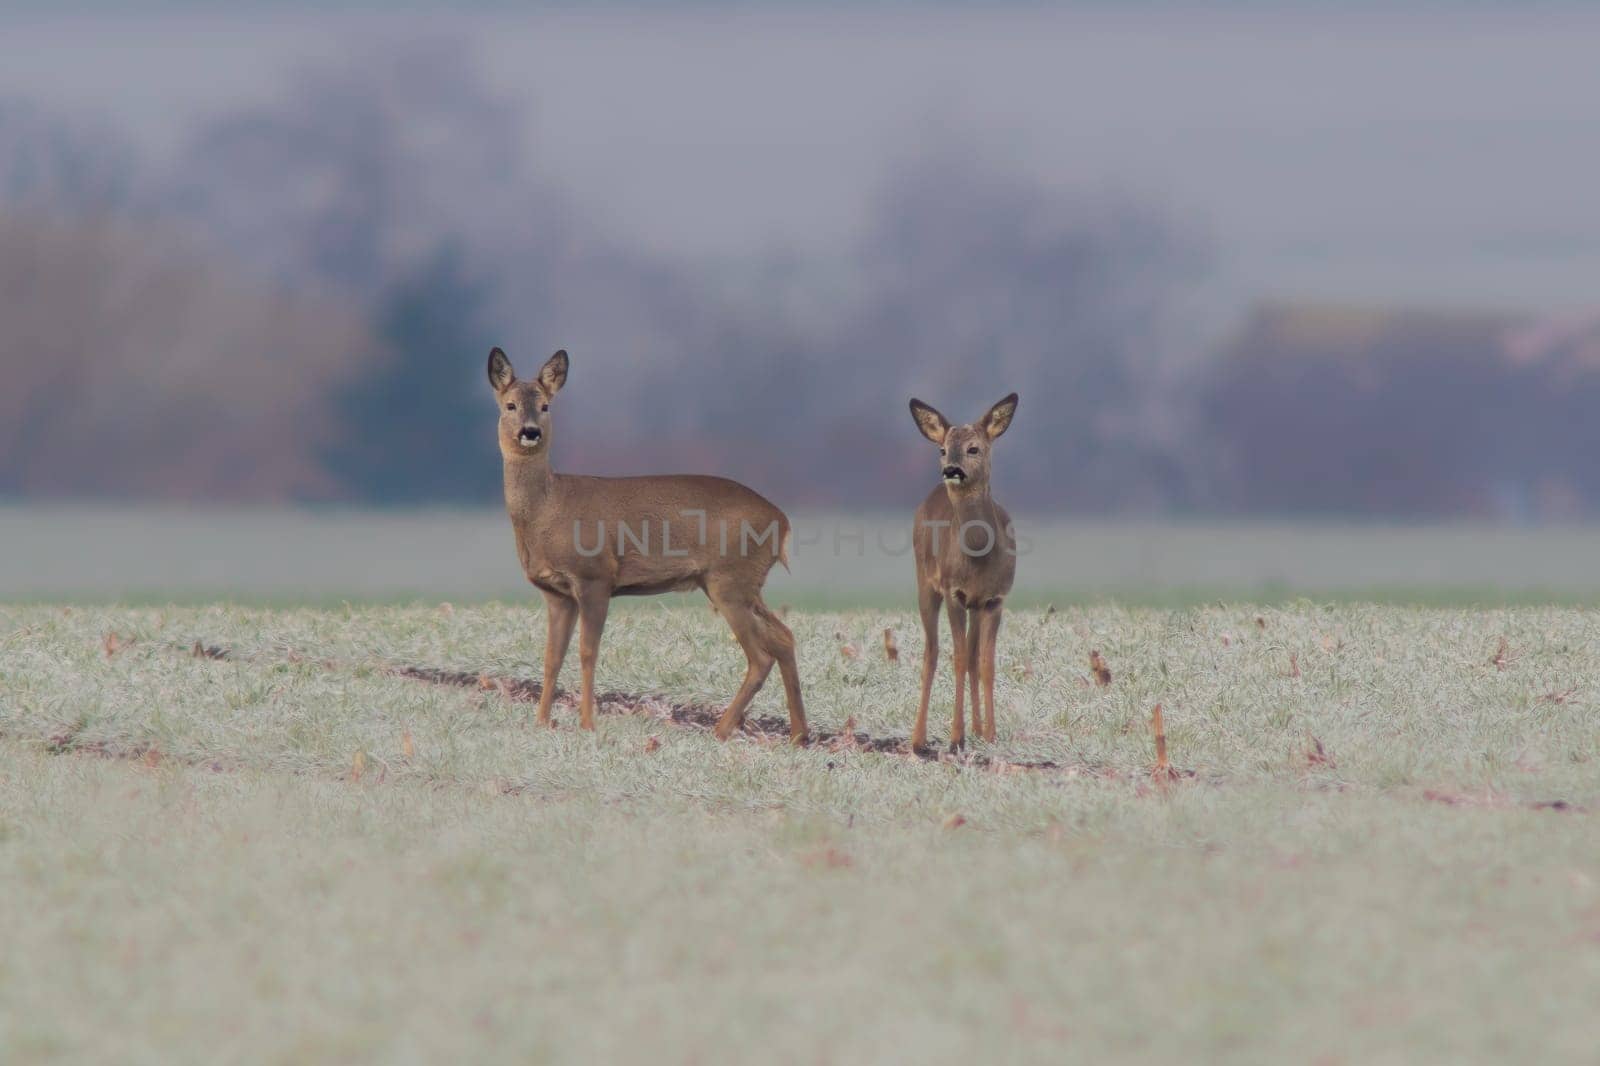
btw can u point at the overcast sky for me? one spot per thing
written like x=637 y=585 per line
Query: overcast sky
x=1449 y=157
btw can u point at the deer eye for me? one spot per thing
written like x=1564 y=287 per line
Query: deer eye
x=544 y=407
x=511 y=407
x=972 y=450
x=941 y=451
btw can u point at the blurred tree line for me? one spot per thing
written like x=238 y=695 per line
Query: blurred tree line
x=298 y=307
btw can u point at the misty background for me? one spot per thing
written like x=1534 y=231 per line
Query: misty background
x=1281 y=260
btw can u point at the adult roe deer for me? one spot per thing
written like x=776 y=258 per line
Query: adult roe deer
x=583 y=540
x=966 y=555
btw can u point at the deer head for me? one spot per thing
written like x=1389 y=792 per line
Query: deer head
x=964 y=450
x=525 y=405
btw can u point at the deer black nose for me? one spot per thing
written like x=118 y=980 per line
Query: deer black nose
x=954 y=473
x=530 y=434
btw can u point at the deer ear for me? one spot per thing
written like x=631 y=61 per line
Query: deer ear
x=997 y=418
x=500 y=373
x=553 y=374
x=931 y=422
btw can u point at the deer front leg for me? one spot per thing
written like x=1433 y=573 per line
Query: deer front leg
x=593 y=603
x=990 y=621
x=958 y=638
x=928 y=600
x=560 y=614
x=974 y=633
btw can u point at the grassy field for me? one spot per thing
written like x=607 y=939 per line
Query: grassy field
x=308 y=558
x=1384 y=848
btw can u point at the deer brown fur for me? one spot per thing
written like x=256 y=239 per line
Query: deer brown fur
x=583 y=540
x=966 y=559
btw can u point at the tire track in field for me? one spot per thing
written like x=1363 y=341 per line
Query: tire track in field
x=703 y=717
x=763 y=728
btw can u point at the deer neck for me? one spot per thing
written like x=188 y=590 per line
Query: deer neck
x=528 y=483
x=975 y=506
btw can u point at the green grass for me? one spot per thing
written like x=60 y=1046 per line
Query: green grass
x=152 y=556
x=189 y=873
x=837 y=599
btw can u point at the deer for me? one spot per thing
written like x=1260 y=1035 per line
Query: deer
x=966 y=556
x=583 y=540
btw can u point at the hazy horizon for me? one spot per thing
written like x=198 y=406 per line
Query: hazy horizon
x=1285 y=258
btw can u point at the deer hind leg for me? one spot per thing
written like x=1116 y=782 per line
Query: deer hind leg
x=560 y=615
x=958 y=638
x=974 y=662
x=780 y=643
x=593 y=603
x=990 y=621
x=740 y=613
x=928 y=601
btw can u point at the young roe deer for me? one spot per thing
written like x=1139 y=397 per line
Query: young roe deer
x=966 y=554
x=583 y=540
